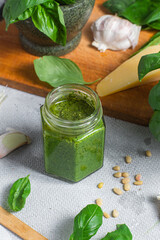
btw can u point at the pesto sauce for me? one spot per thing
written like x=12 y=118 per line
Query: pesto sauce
x=72 y=107
x=73 y=157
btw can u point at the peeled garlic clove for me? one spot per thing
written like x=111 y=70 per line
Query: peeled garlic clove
x=115 y=33
x=11 y=140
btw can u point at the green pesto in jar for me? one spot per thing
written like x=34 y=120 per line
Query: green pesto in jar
x=73 y=156
x=72 y=107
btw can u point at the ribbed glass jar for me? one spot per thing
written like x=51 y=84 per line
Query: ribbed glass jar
x=73 y=149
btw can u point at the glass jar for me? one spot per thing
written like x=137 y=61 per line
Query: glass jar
x=73 y=147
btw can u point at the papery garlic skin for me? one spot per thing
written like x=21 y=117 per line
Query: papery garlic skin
x=11 y=140
x=115 y=33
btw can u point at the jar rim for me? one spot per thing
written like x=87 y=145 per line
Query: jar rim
x=89 y=122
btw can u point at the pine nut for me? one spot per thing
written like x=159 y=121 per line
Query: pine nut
x=125 y=174
x=100 y=185
x=99 y=202
x=138 y=177
x=116 y=168
x=117 y=174
x=115 y=213
x=138 y=183
x=148 y=153
x=128 y=159
x=126 y=187
x=125 y=180
x=106 y=215
x=117 y=191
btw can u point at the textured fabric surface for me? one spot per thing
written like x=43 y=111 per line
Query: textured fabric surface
x=53 y=204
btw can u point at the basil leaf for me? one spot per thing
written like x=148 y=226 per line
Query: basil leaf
x=154 y=97
x=23 y=16
x=48 y=18
x=153 y=16
x=137 y=12
x=87 y=222
x=26 y=14
x=140 y=12
x=122 y=233
x=148 y=63
x=14 y=8
x=18 y=193
x=154 y=125
x=155 y=40
x=58 y=71
x=155 y=25
x=116 y=6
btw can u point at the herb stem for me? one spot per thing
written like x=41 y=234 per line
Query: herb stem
x=90 y=83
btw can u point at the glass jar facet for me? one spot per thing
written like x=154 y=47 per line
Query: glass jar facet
x=73 y=149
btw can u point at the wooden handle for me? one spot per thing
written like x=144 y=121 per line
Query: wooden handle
x=18 y=227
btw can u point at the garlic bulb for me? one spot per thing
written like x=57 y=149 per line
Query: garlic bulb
x=115 y=33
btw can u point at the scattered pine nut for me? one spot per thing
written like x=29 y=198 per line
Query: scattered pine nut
x=128 y=159
x=115 y=213
x=116 y=168
x=148 y=153
x=117 y=174
x=106 y=215
x=117 y=191
x=99 y=202
x=126 y=187
x=138 y=183
x=125 y=174
x=100 y=185
x=138 y=177
x=125 y=180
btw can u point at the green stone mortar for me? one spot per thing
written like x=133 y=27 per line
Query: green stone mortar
x=37 y=43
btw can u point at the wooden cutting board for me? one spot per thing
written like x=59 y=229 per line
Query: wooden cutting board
x=17 y=71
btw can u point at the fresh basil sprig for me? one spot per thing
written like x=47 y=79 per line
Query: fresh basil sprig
x=18 y=194
x=122 y=233
x=14 y=8
x=140 y=12
x=148 y=63
x=87 y=222
x=46 y=15
x=58 y=71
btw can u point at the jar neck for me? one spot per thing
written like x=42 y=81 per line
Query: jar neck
x=72 y=127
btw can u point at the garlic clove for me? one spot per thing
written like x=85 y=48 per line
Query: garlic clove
x=115 y=33
x=11 y=140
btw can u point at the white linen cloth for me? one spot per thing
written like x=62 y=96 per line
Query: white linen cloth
x=52 y=205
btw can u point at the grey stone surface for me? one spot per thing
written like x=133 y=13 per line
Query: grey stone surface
x=53 y=204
